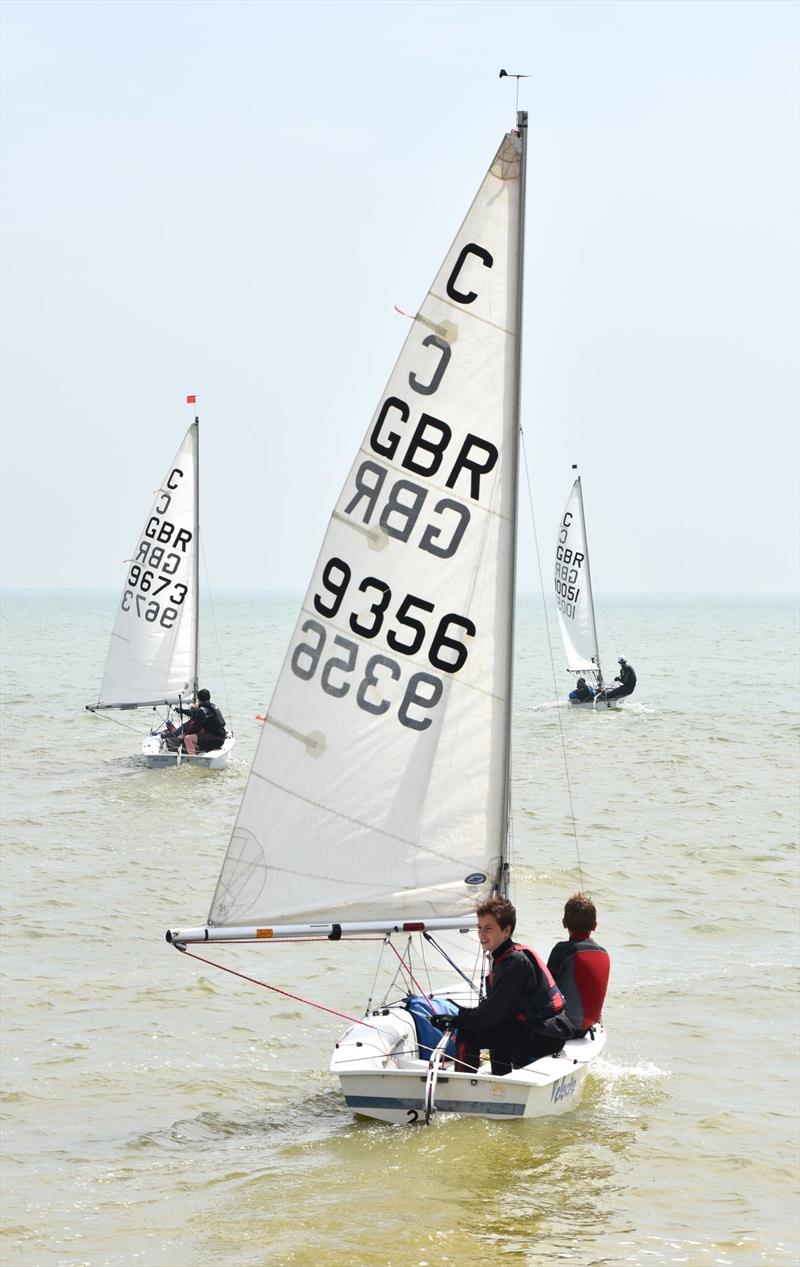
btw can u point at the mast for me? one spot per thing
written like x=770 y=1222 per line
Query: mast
x=589 y=579
x=522 y=128
x=196 y=561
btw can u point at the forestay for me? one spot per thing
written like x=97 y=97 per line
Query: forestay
x=378 y=789
x=152 y=657
x=573 y=587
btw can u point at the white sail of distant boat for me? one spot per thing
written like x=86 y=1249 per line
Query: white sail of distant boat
x=379 y=797
x=153 y=655
x=573 y=586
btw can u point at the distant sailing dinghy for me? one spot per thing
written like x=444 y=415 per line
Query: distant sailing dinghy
x=379 y=799
x=152 y=659
x=574 y=600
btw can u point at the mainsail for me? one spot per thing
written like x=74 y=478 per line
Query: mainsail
x=152 y=658
x=573 y=584
x=379 y=786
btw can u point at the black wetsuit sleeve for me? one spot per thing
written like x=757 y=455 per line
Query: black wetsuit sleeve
x=505 y=999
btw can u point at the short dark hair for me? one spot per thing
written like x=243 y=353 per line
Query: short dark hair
x=500 y=909
x=204 y=696
x=580 y=915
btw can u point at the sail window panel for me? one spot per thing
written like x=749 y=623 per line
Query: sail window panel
x=388 y=825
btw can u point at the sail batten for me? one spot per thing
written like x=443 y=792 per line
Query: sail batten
x=152 y=657
x=379 y=764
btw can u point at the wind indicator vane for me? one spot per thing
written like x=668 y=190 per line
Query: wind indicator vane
x=507 y=74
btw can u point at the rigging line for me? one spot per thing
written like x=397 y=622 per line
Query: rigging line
x=298 y=998
x=403 y=985
x=375 y=978
x=425 y=965
x=408 y=969
x=552 y=661
x=454 y=965
x=601 y=606
x=106 y=716
x=216 y=631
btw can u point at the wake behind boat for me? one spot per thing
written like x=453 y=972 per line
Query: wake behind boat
x=379 y=798
x=153 y=655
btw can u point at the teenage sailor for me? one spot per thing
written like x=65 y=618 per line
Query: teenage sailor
x=626 y=679
x=580 y=966
x=582 y=692
x=521 y=1017
x=205 y=728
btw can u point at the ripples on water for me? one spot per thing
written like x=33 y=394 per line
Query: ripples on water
x=158 y=1112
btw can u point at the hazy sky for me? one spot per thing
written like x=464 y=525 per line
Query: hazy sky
x=230 y=198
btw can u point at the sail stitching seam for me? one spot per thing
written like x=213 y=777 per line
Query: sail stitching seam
x=473 y=315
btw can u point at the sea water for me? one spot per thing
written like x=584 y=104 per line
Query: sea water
x=159 y=1111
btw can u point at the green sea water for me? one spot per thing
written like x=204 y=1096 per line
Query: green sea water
x=157 y=1111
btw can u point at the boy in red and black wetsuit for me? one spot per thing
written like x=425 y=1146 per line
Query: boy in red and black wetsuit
x=580 y=966
x=521 y=1017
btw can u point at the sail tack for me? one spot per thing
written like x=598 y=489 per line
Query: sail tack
x=378 y=786
x=151 y=659
x=573 y=588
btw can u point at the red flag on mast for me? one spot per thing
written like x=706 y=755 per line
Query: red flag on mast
x=191 y=400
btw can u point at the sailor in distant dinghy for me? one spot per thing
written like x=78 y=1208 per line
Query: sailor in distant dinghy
x=205 y=728
x=583 y=693
x=626 y=679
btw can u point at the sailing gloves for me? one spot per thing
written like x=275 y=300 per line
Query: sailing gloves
x=444 y=1022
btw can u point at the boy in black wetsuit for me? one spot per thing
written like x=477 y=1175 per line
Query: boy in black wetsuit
x=205 y=729
x=627 y=682
x=521 y=1017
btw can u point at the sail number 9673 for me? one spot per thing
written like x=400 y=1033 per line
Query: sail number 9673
x=149 y=608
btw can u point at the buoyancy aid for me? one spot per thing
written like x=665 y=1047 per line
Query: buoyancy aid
x=582 y=967
x=216 y=724
x=207 y=719
x=547 y=999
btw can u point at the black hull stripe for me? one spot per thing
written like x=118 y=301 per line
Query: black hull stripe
x=446 y=1106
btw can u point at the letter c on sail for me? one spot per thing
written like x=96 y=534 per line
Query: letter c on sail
x=487 y=261
x=432 y=341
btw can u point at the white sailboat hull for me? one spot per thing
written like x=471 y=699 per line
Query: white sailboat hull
x=160 y=758
x=597 y=703
x=381 y=1079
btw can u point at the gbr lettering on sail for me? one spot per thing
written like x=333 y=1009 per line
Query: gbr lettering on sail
x=380 y=627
